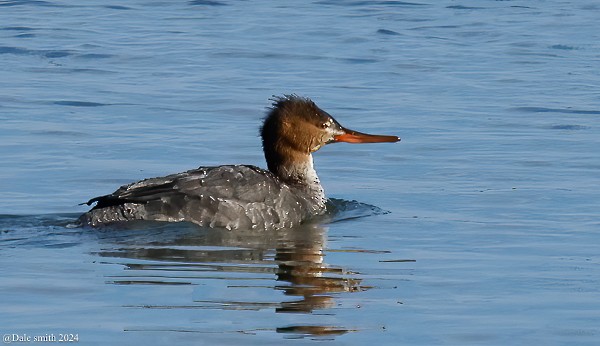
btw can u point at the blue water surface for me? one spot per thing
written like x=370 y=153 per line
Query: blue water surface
x=493 y=194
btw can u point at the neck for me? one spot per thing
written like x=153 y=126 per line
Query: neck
x=298 y=171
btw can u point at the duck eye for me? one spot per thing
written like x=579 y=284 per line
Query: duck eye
x=326 y=124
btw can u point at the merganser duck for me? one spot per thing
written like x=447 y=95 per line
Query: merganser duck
x=242 y=196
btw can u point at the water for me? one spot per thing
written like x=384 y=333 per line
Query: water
x=492 y=232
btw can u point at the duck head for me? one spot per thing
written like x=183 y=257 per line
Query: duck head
x=294 y=128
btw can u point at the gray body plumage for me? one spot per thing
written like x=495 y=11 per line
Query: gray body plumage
x=232 y=197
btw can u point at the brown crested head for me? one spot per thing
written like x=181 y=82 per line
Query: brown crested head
x=295 y=127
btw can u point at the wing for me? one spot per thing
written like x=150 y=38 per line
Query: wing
x=223 y=196
x=234 y=182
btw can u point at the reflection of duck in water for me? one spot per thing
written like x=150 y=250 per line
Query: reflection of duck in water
x=300 y=263
x=242 y=197
x=217 y=258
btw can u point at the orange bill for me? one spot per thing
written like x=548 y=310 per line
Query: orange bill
x=350 y=136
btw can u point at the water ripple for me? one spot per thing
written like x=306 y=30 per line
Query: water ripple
x=26 y=2
x=117 y=7
x=556 y=110
x=388 y=32
x=569 y=127
x=207 y=3
x=17 y=28
x=369 y=3
x=53 y=53
x=43 y=53
x=80 y=103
